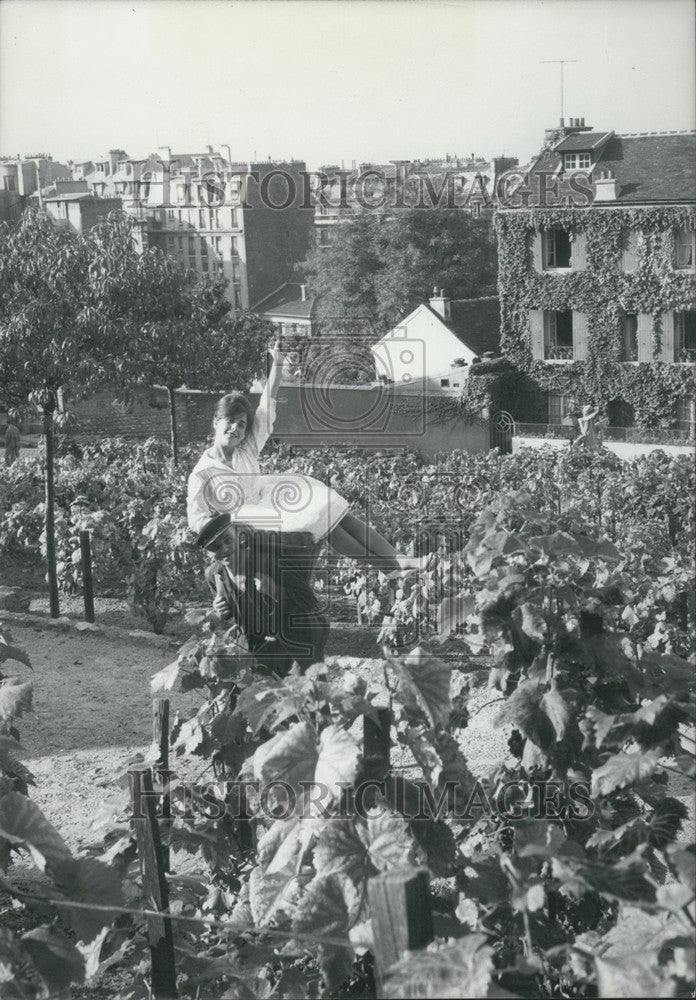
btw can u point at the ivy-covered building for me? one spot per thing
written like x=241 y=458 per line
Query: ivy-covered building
x=597 y=279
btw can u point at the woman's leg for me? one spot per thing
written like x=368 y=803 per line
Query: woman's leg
x=354 y=538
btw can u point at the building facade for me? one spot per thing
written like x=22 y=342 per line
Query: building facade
x=241 y=221
x=597 y=279
x=469 y=183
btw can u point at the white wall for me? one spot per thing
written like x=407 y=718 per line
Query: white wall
x=624 y=449
x=419 y=347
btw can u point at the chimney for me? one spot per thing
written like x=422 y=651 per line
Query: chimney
x=209 y=150
x=441 y=304
x=303 y=293
x=605 y=186
x=227 y=152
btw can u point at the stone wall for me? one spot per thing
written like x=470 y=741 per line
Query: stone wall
x=344 y=415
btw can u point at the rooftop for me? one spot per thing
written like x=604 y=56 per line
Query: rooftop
x=287 y=301
x=475 y=322
x=648 y=167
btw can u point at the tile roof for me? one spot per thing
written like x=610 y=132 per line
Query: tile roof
x=650 y=167
x=581 y=140
x=287 y=301
x=475 y=322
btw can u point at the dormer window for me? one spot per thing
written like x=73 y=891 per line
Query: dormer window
x=577 y=161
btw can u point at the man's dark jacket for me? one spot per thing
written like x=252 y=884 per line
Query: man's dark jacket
x=267 y=586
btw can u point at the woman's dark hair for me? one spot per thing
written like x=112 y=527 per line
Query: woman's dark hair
x=233 y=405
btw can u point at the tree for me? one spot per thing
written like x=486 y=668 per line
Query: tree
x=380 y=267
x=49 y=335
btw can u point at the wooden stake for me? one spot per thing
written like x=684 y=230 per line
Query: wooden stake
x=377 y=743
x=401 y=916
x=87 y=584
x=159 y=929
x=160 y=737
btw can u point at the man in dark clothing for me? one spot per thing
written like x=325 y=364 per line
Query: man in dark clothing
x=262 y=582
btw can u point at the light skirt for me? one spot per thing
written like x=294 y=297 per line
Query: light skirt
x=282 y=503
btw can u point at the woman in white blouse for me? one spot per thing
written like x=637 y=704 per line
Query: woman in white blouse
x=228 y=479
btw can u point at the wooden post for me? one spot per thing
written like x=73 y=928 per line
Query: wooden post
x=156 y=891
x=87 y=585
x=401 y=916
x=160 y=737
x=50 y=516
x=377 y=742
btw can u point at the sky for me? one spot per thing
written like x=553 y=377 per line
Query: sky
x=336 y=80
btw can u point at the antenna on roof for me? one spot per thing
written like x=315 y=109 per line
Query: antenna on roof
x=561 y=63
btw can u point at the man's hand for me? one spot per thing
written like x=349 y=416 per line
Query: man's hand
x=220 y=606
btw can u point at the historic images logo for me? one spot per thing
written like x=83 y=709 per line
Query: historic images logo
x=343 y=192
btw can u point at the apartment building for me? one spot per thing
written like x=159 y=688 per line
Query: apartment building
x=597 y=277
x=243 y=221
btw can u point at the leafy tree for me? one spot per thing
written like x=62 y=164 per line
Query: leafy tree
x=49 y=334
x=380 y=267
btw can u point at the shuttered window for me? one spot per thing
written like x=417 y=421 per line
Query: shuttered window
x=536 y=328
x=629 y=251
x=558 y=335
x=645 y=337
x=579 y=336
x=578 y=255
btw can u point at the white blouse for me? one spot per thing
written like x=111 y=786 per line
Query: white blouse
x=289 y=502
x=216 y=485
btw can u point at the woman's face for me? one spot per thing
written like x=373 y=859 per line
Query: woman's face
x=230 y=431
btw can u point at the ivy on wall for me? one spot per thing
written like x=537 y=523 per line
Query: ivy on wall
x=603 y=291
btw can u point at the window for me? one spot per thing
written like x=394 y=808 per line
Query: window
x=620 y=413
x=559 y=407
x=234 y=247
x=629 y=345
x=170 y=242
x=556 y=248
x=444 y=382
x=558 y=335
x=10 y=183
x=686 y=414
x=577 y=161
x=685 y=336
x=233 y=218
x=476 y=209
x=686 y=248
x=170 y=214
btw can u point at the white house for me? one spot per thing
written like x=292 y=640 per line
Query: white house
x=438 y=341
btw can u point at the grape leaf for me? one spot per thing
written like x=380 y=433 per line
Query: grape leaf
x=557 y=710
x=338 y=760
x=523 y=710
x=56 y=959
x=461 y=968
x=165 y=679
x=326 y=910
x=425 y=681
x=84 y=880
x=623 y=769
x=272 y=896
x=15 y=698
x=636 y=977
x=22 y=822
x=289 y=756
x=625 y=881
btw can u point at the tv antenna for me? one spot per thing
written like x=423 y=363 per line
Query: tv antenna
x=561 y=63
